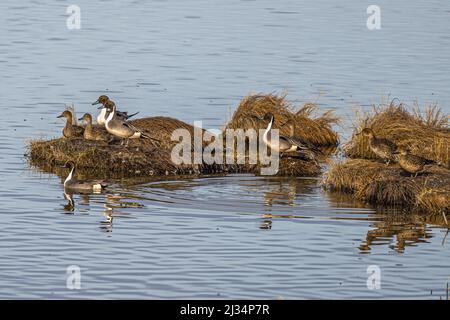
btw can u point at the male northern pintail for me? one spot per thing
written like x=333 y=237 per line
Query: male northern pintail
x=92 y=132
x=101 y=118
x=81 y=186
x=287 y=144
x=120 y=128
x=411 y=163
x=71 y=130
x=383 y=148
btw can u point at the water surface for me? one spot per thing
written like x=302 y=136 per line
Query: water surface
x=212 y=237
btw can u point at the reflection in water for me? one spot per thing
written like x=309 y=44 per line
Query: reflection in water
x=266 y=224
x=112 y=204
x=70 y=205
x=279 y=198
x=320 y=226
x=107 y=224
x=395 y=234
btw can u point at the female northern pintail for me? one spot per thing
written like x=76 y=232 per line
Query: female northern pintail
x=383 y=148
x=101 y=118
x=81 y=186
x=287 y=144
x=92 y=132
x=71 y=130
x=121 y=128
x=411 y=163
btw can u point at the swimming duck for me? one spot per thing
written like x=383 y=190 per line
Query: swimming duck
x=287 y=144
x=101 y=118
x=92 y=132
x=411 y=163
x=80 y=186
x=71 y=130
x=383 y=148
x=121 y=128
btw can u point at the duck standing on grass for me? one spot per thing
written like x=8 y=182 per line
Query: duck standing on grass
x=121 y=128
x=81 y=186
x=101 y=118
x=413 y=164
x=287 y=144
x=92 y=132
x=383 y=148
x=71 y=130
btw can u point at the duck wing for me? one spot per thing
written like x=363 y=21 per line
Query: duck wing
x=301 y=144
x=421 y=160
x=78 y=130
x=124 y=115
x=143 y=134
x=388 y=145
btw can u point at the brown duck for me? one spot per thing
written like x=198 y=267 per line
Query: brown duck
x=92 y=132
x=71 y=130
x=413 y=164
x=383 y=148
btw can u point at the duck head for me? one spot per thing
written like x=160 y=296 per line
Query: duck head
x=86 y=117
x=69 y=165
x=110 y=105
x=267 y=117
x=102 y=99
x=66 y=114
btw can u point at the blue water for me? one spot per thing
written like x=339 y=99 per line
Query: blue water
x=219 y=237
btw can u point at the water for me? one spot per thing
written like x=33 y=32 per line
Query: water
x=214 y=237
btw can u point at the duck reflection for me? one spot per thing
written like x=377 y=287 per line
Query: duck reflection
x=287 y=191
x=107 y=224
x=70 y=206
x=397 y=235
x=111 y=203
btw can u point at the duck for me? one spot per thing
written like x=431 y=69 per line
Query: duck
x=101 y=118
x=91 y=132
x=81 y=186
x=413 y=164
x=383 y=148
x=120 y=128
x=71 y=130
x=287 y=143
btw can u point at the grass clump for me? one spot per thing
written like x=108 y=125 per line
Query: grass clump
x=426 y=134
x=378 y=184
x=315 y=129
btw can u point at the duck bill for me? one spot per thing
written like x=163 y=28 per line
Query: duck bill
x=60 y=116
x=96 y=102
x=101 y=107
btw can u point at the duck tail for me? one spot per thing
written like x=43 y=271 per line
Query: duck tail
x=435 y=162
x=146 y=136
x=132 y=115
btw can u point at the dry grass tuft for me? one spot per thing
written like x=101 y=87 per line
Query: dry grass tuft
x=143 y=158
x=379 y=184
x=425 y=133
x=317 y=130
